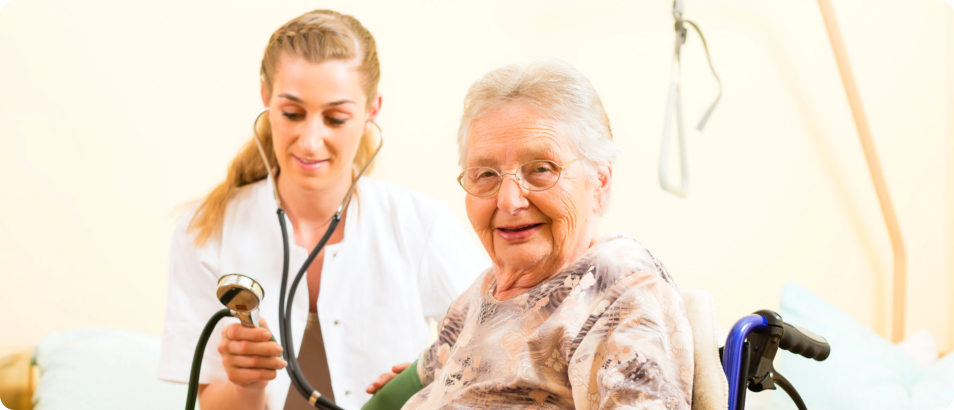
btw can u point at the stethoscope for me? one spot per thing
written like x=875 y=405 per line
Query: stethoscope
x=284 y=309
x=242 y=295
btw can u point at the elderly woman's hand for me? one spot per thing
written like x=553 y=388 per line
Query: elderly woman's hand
x=386 y=377
x=249 y=358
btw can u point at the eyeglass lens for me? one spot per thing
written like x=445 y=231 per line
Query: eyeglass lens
x=533 y=176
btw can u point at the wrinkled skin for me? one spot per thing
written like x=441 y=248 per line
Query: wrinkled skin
x=567 y=213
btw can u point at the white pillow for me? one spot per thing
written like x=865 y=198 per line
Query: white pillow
x=921 y=347
x=102 y=369
x=864 y=371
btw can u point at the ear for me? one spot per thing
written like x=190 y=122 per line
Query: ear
x=601 y=192
x=374 y=110
x=266 y=96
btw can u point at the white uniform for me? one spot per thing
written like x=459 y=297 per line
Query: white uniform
x=404 y=258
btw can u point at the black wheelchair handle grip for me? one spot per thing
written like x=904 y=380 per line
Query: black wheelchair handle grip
x=803 y=342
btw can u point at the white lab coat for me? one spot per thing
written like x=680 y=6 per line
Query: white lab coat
x=404 y=258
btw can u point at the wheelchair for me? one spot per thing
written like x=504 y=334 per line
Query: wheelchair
x=749 y=352
x=746 y=361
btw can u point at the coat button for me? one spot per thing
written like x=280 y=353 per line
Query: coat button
x=337 y=322
x=347 y=392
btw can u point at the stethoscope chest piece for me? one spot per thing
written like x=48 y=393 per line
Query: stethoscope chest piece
x=242 y=295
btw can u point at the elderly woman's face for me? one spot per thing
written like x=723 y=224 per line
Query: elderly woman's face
x=524 y=230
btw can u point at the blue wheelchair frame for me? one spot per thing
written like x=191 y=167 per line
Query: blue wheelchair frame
x=749 y=353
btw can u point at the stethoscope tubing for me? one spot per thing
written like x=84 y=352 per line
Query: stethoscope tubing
x=285 y=308
x=284 y=314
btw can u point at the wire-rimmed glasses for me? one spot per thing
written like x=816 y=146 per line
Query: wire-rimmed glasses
x=534 y=176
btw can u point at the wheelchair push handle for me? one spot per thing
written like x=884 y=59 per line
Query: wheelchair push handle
x=803 y=342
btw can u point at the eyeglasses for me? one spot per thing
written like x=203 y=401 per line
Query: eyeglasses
x=539 y=175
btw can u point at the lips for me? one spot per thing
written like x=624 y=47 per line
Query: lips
x=516 y=233
x=516 y=228
x=310 y=164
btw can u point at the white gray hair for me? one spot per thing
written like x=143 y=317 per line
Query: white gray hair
x=555 y=89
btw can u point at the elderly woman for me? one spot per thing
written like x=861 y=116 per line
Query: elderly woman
x=563 y=319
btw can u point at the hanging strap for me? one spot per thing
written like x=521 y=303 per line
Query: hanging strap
x=674 y=104
x=705 y=117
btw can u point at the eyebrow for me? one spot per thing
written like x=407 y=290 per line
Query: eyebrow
x=533 y=155
x=331 y=104
x=483 y=162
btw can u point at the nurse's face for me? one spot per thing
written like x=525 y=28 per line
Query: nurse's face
x=318 y=113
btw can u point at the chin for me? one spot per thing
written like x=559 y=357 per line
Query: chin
x=310 y=182
x=520 y=260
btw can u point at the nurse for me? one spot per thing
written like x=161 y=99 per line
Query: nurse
x=397 y=258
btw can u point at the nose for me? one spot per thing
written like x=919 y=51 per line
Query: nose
x=511 y=198
x=313 y=135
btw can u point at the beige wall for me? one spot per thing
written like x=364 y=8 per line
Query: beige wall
x=114 y=113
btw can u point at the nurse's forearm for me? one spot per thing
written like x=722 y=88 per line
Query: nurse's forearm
x=225 y=395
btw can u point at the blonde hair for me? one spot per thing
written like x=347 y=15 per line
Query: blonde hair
x=556 y=90
x=316 y=36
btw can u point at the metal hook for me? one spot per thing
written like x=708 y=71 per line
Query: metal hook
x=674 y=103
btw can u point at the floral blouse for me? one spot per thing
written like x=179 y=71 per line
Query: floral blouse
x=609 y=332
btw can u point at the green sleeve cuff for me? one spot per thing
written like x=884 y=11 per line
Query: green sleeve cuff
x=397 y=392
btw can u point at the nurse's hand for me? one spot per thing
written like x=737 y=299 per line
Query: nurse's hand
x=386 y=377
x=250 y=359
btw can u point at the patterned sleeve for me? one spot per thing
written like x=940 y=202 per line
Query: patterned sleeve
x=432 y=359
x=638 y=351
